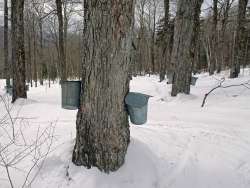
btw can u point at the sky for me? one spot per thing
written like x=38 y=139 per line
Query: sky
x=1 y=12
x=206 y=4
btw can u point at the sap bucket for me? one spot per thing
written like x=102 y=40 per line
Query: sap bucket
x=193 y=80
x=137 y=104
x=71 y=94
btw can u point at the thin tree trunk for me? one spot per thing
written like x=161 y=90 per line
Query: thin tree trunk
x=18 y=52
x=65 y=33
x=153 y=40
x=239 y=43
x=185 y=39
x=165 y=42
x=221 y=46
x=165 y=45
x=29 y=59
x=62 y=60
x=6 y=44
x=214 y=39
x=102 y=122
x=34 y=51
x=42 y=64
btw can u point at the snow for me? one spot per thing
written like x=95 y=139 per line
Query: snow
x=181 y=145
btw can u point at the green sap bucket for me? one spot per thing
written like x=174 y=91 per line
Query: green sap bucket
x=137 y=105
x=193 y=80
x=71 y=91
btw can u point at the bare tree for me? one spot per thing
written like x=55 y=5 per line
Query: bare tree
x=62 y=58
x=102 y=123
x=165 y=45
x=239 y=39
x=214 y=39
x=18 y=51
x=6 y=44
x=185 y=38
x=143 y=51
x=224 y=11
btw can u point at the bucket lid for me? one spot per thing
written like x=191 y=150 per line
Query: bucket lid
x=136 y=99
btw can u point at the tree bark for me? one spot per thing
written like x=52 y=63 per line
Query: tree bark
x=18 y=51
x=6 y=44
x=185 y=39
x=102 y=124
x=239 y=41
x=62 y=60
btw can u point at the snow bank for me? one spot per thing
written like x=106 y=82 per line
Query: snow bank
x=182 y=144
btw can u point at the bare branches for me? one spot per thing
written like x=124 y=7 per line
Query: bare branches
x=8 y=112
x=20 y=148
x=245 y=84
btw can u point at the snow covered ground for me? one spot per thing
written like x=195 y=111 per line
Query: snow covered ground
x=181 y=146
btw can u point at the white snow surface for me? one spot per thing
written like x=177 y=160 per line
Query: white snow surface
x=181 y=146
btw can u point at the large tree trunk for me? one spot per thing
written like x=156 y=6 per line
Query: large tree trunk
x=239 y=41
x=102 y=122
x=62 y=60
x=185 y=38
x=6 y=44
x=18 y=51
x=165 y=46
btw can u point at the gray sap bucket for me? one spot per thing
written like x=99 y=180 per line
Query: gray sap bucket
x=193 y=80
x=71 y=94
x=137 y=105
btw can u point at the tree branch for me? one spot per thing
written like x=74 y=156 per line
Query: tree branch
x=246 y=85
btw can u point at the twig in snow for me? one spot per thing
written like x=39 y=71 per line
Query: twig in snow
x=246 y=85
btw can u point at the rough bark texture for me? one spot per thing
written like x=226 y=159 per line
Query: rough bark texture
x=239 y=41
x=185 y=38
x=62 y=58
x=102 y=122
x=18 y=52
x=6 y=45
